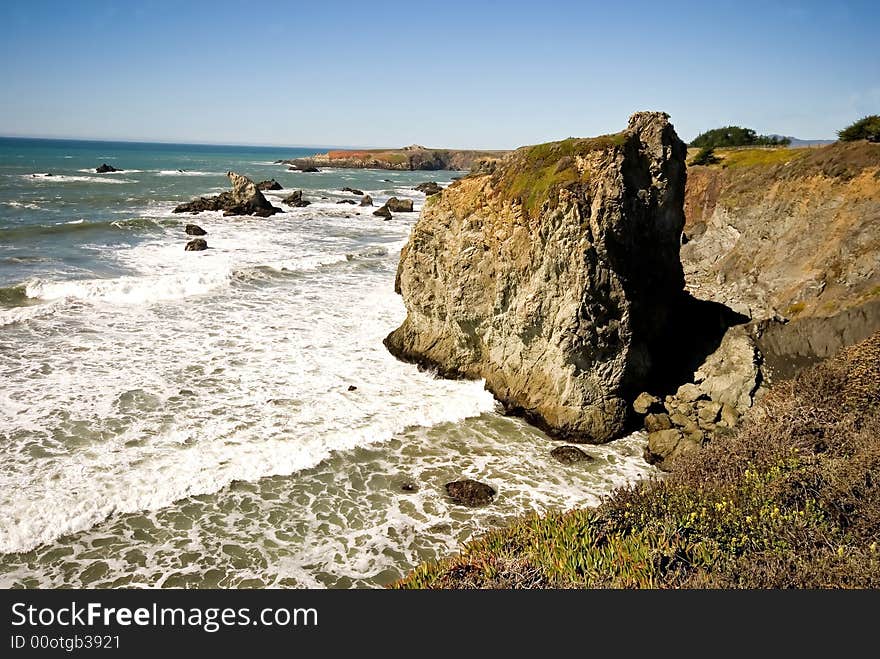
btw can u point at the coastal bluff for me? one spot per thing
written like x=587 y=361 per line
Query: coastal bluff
x=409 y=158
x=551 y=275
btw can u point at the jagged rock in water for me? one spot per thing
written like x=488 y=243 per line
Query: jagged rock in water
x=429 y=188
x=106 y=169
x=552 y=277
x=396 y=205
x=195 y=230
x=569 y=455
x=196 y=245
x=244 y=199
x=295 y=199
x=383 y=213
x=353 y=191
x=347 y=201
x=470 y=493
x=367 y=200
x=271 y=184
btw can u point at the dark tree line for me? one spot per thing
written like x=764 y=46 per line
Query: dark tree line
x=736 y=136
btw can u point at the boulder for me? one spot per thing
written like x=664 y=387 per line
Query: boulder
x=396 y=205
x=664 y=446
x=244 y=199
x=708 y=411
x=655 y=422
x=353 y=191
x=469 y=492
x=105 y=169
x=304 y=169
x=196 y=245
x=295 y=199
x=570 y=455
x=367 y=200
x=429 y=188
x=645 y=403
x=553 y=277
x=271 y=184
x=383 y=213
x=195 y=230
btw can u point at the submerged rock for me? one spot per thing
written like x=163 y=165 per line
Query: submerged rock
x=367 y=200
x=196 y=245
x=429 y=188
x=295 y=199
x=106 y=169
x=470 y=493
x=244 y=199
x=552 y=277
x=347 y=201
x=570 y=455
x=195 y=230
x=271 y=184
x=396 y=205
x=353 y=191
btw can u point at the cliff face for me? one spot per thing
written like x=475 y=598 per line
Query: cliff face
x=551 y=275
x=787 y=232
x=406 y=159
x=790 y=237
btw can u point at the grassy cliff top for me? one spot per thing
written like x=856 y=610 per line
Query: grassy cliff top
x=786 y=501
x=533 y=174
x=838 y=159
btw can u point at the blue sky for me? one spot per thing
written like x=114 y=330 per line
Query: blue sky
x=458 y=74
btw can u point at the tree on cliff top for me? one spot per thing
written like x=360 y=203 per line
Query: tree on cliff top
x=736 y=136
x=866 y=128
x=705 y=156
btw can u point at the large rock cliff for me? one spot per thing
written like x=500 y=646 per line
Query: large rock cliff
x=551 y=275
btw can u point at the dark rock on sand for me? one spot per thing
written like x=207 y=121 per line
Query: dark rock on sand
x=353 y=190
x=429 y=188
x=470 y=493
x=383 y=213
x=196 y=245
x=396 y=205
x=367 y=200
x=106 y=169
x=570 y=455
x=271 y=184
x=195 y=230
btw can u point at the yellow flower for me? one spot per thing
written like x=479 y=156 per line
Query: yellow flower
x=840 y=551
x=748 y=519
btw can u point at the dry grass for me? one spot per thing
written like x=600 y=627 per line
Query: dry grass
x=791 y=500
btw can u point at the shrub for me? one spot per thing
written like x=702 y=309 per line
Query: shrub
x=737 y=136
x=706 y=156
x=866 y=128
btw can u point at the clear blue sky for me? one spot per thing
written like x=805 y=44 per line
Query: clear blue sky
x=477 y=73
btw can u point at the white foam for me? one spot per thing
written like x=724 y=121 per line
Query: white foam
x=63 y=178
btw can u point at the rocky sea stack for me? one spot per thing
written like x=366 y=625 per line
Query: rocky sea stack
x=552 y=275
x=244 y=199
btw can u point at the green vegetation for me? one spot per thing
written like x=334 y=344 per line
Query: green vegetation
x=792 y=499
x=736 y=136
x=866 y=128
x=536 y=173
x=752 y=157
x=705 y=156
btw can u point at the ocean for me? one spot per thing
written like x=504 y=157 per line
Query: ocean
x=230 y=418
